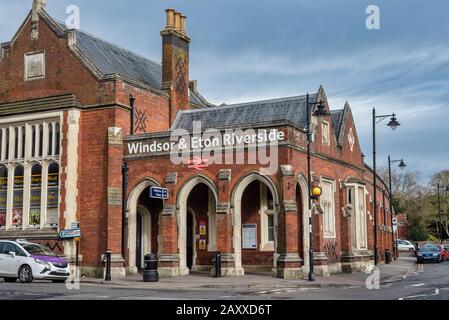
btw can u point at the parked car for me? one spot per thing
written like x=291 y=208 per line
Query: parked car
x=405 y=245
x=444 y=252
x=429 y=252
x=27 y=261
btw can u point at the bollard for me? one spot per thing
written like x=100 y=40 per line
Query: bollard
x=150 y=273
x=218 y=265
x=108 y=266
x=387 y=256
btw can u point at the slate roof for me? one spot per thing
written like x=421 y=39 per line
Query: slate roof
x=291 y=109
x=111 y=59
x=337 y=120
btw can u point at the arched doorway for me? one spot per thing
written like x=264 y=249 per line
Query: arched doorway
x=196 y=224
x=302 y=207
x=143 y=225
x=255 y=200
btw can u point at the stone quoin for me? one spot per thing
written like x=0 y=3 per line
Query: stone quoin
x=66 y=134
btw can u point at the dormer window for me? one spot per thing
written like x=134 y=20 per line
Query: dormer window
x=326 y=133
x=34 y=66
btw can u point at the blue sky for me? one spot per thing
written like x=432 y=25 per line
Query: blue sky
x=256 y=49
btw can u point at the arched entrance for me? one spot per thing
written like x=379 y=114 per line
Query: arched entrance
x=143 y=224
x=255 y=201
x=303 y=221
x=197 y=201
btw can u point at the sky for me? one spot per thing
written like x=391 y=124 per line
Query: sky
x=244 y=50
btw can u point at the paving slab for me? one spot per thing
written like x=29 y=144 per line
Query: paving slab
x=202 y=280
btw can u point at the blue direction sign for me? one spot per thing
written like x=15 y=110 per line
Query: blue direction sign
x=158 y=193
x=70 y=234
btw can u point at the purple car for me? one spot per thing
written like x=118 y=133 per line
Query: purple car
x=27 y=261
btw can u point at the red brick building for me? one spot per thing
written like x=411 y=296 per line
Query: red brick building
x=68 y=129
x=402 y=226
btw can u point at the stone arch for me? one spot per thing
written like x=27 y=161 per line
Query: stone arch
x=131 y=214
x=236 y=204
x=183 y=196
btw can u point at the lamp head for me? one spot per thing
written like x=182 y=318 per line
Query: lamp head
x=321 y=110
x=402 y=164
x=316 y=193
x=394 y=124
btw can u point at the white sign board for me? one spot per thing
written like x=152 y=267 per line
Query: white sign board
x=249 y=236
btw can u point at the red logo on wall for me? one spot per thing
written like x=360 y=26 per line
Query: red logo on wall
x=198 y=163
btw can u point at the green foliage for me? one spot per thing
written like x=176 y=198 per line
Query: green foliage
x=416 y=228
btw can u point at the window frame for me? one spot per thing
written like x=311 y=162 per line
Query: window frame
x=330 y=218
x=30 y=54
x=325 y=132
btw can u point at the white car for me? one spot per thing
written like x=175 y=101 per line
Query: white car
x=27 y=261
x=404 y=245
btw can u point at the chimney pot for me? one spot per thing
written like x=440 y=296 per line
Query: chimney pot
x=170 y=18
x=183 y=23
x=177 y=21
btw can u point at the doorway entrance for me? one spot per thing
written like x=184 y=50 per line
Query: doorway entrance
x=190 y=250
x=139 y=246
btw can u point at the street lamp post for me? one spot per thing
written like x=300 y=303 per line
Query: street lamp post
x=402 y=165
x=320 y=112
x=393 y=124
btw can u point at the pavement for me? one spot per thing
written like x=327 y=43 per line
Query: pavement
x=202 y=280
x=401 y=280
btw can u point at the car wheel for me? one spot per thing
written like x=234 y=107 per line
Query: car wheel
x=25 y=274
x=10 y=280
x=440 y=260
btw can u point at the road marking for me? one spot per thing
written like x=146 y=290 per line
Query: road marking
x=437 y=292
x=418 y=285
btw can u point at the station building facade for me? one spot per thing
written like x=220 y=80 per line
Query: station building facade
x=76 y=148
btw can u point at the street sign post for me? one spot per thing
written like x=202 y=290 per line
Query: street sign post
x=158 y=193
x=70 y=234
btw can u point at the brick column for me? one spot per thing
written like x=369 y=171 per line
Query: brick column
x=114 y=218
x=289 y=262
x=224 y=227
x=169 y=253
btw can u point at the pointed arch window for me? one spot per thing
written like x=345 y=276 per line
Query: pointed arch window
x=35 y=195
x=53 y=195
x=7 y=144
x=3 y=194
x=57 y=139
x=22 y=154
x=33 y=141
x=50 y=139
x=17 y=205
x=1 y=144
x=41 y=139
x=16 y=143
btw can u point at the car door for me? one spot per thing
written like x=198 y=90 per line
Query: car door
x=2 y=259
x=11 y=264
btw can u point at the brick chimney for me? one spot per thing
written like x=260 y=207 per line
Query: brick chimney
x=175 y=62
x=38 y=5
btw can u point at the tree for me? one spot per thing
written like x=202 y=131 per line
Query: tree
x=416 y=228
x=441 y=210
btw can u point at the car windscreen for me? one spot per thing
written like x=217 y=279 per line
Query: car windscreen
x=38 y=250
x=429 y=249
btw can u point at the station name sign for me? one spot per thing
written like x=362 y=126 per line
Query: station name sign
x=205 y=140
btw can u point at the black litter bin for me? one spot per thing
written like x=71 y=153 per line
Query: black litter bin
x=387 y=256
x=150 y=273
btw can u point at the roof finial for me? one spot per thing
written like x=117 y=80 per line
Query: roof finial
x=38 y=4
